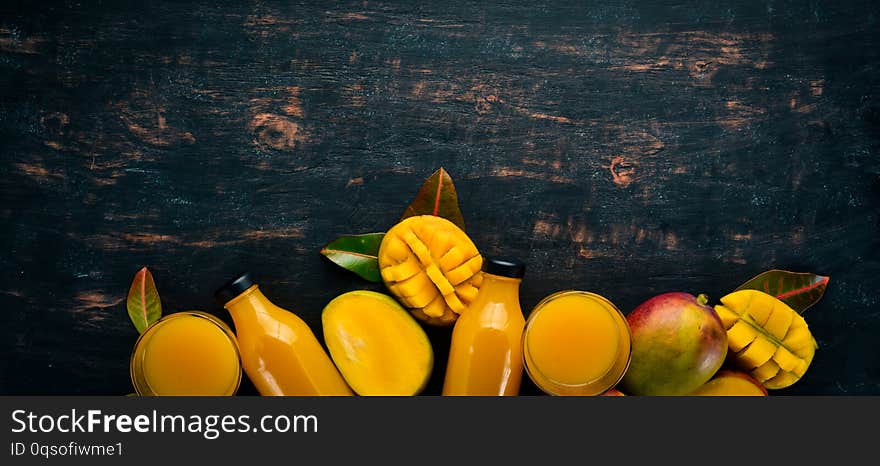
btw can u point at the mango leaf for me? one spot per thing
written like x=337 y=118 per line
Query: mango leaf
x=357 y=253
x=437 y=197
x=144 y=305
x=798 y=290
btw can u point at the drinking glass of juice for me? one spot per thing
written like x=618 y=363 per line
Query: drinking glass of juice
x=576 y=343
x=188 y=353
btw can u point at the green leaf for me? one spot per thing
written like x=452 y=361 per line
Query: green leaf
x=798 y=290
x=437 y=197
x=144 y=305
x=357 y=253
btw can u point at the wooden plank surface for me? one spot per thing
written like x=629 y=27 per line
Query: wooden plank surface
x=624 y=147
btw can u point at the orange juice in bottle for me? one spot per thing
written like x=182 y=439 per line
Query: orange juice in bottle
x=485 y=356
x=279 y=352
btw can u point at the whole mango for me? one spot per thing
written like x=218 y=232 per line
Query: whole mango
x=678 y=344
x=431 y=266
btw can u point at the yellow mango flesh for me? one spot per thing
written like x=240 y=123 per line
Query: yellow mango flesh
x=378 y=347
x=431 y=266
x=766 y=337
x=730 y=383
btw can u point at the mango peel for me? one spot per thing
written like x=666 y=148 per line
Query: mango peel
x=431 y=266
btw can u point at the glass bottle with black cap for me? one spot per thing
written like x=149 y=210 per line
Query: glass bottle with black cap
x=279 y=352
x=485 y=356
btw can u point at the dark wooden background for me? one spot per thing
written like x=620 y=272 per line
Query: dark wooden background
x=624 y=147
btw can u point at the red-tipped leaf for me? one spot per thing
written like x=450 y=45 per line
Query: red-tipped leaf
x=437 y=197
x=798 y=290
x=144 y=305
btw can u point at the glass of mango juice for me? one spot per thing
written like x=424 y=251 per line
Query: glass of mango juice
x=189 y=353
x=576 y=343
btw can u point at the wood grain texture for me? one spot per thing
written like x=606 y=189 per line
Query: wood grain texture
x=624 y=147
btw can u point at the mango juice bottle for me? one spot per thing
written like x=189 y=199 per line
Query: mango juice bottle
x=279 y=352
x=485 y=356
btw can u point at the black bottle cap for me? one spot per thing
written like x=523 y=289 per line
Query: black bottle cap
x=231 y=289
x=504 y=267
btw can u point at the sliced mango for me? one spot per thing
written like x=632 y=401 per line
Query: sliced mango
x=418 y=247
x=396 y=249
x=432 y=267
x=767 y=337
x=422 y=298
x=467 y=292
x=766 y=371
x=406 y=269
x=440 y=280
x=782 y=380
x=454 y=303
x=440 y=242
x=452 y=258
x=465 y=271
x=756 y=354
x=798 y=337
x=413 y=285
x=728 y=317
x=435 y=308
x=743 y=335
x=779 y=322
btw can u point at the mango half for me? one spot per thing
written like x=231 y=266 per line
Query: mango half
x=431 y=266
x=766 y=337
x=377 y=346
